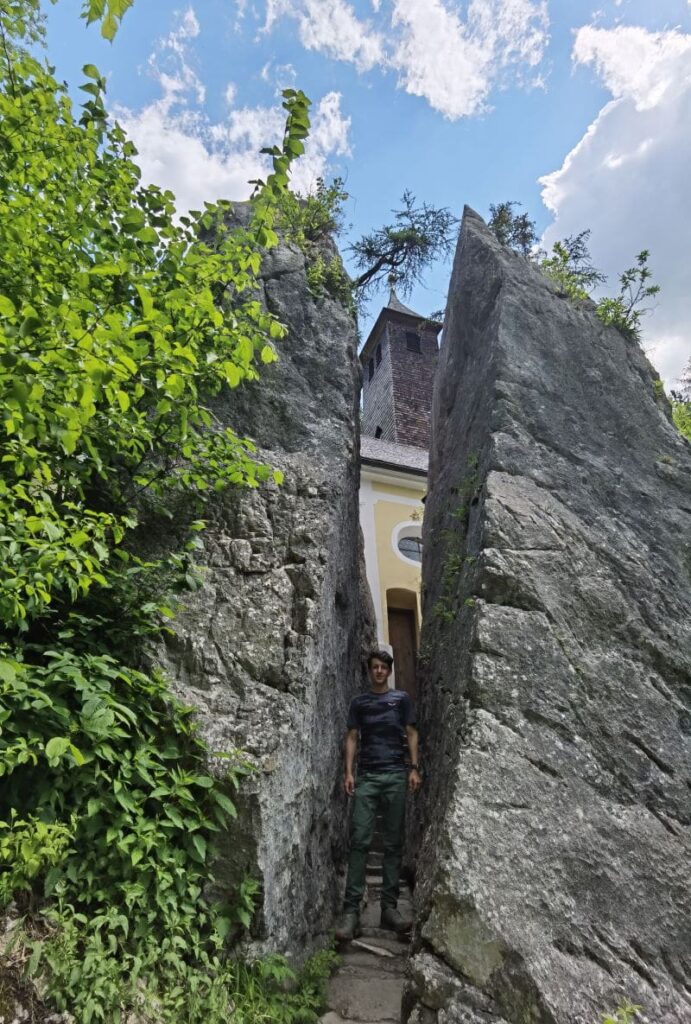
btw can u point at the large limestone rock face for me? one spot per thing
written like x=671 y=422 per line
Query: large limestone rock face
x=269 y=650
x=553 y=877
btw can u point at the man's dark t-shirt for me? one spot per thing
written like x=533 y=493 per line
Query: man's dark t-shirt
x=382 y=719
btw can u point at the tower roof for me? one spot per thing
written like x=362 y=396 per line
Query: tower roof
x=394 y=308
x=398 y=307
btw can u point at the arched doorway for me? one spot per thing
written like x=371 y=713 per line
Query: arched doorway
x=401 y=606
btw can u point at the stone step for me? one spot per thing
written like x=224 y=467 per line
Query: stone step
x=357 y=959
x=371 y=946
x=387 y=939
x=366 y=996
x=334 y=1018
x=367 y=987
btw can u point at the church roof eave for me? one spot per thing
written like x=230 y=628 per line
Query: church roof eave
x=403 y=458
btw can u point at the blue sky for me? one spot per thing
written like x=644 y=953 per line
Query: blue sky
x=578 y=109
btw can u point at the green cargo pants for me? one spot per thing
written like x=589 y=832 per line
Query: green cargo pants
x=386 y=790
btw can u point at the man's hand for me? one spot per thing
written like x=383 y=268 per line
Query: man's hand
x=414 y=780
x=350 y=752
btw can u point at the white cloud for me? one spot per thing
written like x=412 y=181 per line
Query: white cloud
x=170 y=60
x=453 y=62
x=330 y=27
x=282 y=75
x=636 y=64
x=437 y=60
x=180 y=149
x=627 y=178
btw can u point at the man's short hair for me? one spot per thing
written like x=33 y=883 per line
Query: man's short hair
x=380 y=656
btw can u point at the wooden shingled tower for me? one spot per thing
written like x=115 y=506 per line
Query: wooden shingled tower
x=399 y=360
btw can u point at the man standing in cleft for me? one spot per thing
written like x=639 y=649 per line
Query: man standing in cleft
x=384 y=719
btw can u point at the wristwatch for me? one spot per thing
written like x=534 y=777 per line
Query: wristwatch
x=414 y=768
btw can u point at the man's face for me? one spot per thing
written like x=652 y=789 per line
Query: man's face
x=379 y=671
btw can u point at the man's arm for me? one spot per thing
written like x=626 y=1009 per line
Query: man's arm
x=414 y=780
x=350 y=752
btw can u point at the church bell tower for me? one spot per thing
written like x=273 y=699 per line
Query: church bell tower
x=399 y=360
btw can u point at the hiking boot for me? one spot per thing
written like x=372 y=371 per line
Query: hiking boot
x=395 y=921
x=348 y=926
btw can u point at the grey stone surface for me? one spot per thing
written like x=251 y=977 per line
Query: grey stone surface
x=335 y=1018
x=380 y=962
x=270 y=649
x=436 y=995
x=372 y=997
x=554 y=868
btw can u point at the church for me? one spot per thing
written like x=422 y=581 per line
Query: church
x=399 y=360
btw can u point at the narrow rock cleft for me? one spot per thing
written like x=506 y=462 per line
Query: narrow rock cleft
x=553 y=869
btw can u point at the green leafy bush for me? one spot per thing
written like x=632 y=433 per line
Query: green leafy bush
x=270 y=992
x=624 y=1014
x=29 y=849
x=327 y=277
x=681 y=414
x=117 y=324
x=515 y=230
x=307 y=220
x=571 y=268
x=315 y=215
x=626 y=311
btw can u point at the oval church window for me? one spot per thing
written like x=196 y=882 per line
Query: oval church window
x=411 y=547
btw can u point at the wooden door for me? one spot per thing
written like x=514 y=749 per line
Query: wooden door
x=402 y=639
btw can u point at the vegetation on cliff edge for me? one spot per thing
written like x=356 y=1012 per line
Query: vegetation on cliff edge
x=117 y=323
x=571 y=268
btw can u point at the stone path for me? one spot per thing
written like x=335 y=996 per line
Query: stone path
x=368 y=985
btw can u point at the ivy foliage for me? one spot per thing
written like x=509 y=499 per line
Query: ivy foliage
x=118 y=324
